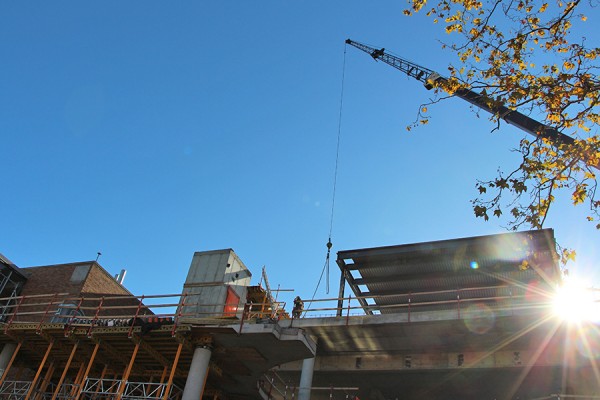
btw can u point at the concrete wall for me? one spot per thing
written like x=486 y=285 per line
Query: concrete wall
x=210 y=275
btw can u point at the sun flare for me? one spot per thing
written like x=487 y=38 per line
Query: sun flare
x=576 y=302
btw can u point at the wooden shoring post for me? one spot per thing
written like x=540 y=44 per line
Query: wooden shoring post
x=88 y=369
x=178 y=313
x=115 y=377
x=102 y=375
x=127 y=371
x=10 y=363
x=149 y=384
x=39 y=371
x=12 y=317
x=137 y=313
x=45 y=381
x=172 y=374
x=78 y=380
x=164 y=374
x=64 y=373
x=39 y=327
x=93 y=322
x=19 y=372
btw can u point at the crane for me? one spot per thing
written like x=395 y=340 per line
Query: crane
x=431 y=79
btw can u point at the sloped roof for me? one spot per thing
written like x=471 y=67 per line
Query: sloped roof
x=10 y=265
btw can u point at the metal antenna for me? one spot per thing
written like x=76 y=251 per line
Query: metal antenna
x=98 y=256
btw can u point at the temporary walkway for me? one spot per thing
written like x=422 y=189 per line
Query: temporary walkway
x=136 y=356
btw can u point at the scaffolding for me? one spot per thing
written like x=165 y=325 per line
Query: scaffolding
x=11 y=283
x=109 y=347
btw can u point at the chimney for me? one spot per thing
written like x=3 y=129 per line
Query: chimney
x=120 y=277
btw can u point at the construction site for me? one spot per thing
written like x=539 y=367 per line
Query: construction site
x=461 y=318
x=458 y=318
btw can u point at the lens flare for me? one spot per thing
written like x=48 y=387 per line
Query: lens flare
x=588 y=341
x=479 y=318
x=474 y=265
x=575 y=302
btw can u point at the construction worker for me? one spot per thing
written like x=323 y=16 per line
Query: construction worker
x=298 y=307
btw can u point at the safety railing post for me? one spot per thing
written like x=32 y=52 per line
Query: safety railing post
x=244 y=313
x=70 y=321
x=348 y=312
x=458 y=301
x=178 y=313
x=38 y=330
x=12 y=317
x=409 y=304
x=95 y=319
x=137 y=313
x=512 y=304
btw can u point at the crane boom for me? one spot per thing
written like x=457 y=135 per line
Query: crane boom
x=431 y=78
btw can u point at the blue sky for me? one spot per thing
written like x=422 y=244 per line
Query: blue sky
x=150 y=130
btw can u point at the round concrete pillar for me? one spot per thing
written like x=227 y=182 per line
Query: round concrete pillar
x=7 y=352
x=194 y=384
x=308 y=366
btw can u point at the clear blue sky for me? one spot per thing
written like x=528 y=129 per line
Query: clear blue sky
x=150 y=130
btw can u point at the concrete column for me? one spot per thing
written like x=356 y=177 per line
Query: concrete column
x=194 y=384
x=5 y=356
x=308 y=366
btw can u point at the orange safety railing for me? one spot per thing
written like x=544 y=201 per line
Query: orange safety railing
x=412 y=302
x=129 y=310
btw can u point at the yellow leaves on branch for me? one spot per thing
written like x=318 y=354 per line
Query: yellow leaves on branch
x=524 y=54
x=580 y=193
x=568 y=65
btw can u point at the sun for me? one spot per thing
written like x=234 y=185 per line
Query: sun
x=576 y=302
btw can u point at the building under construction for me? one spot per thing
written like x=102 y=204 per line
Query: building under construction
x=460 y=318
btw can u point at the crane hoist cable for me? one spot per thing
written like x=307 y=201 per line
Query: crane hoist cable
x=335 y=173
